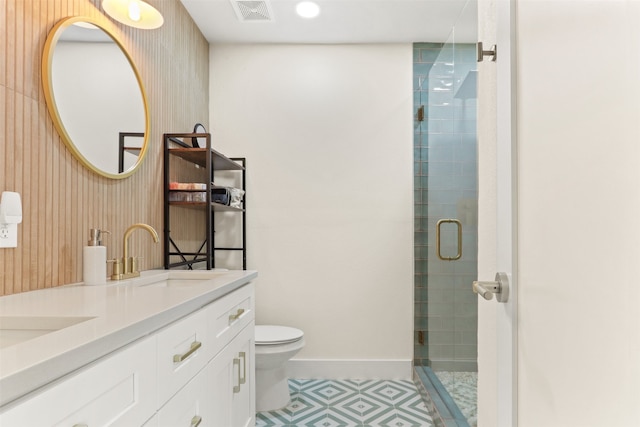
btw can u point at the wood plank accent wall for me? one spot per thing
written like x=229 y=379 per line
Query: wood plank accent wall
x=61 y=200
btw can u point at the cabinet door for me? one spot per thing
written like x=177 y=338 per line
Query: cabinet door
x=220 y=373
x=190 y=406
x=243 y=401
x=232 y=377
x=119 y=390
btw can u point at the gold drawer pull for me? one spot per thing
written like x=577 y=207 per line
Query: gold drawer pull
x=243 y=378
x=181 y=357
x=195 y=421
x=236 y=388
x=239 y=313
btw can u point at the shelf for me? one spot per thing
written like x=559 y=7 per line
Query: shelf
x=211 y=161
x=199 y=157
x=214 y=206
x=196 y=190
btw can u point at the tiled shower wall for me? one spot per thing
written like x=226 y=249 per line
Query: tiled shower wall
x=445 y=171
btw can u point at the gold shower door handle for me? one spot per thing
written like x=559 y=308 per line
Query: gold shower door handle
x=439 y=240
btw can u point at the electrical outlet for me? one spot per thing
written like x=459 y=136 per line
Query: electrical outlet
x=9 y=236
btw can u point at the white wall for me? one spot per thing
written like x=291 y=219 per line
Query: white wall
x=327 y=131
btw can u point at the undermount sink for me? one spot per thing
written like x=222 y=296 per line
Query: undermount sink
x=174 y=283
x=177 y=279
x=17 y=329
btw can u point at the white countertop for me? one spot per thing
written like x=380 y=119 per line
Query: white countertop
x=120 y=313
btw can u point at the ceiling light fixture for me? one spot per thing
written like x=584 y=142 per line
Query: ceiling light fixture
x=307 y=9
x=134 y=13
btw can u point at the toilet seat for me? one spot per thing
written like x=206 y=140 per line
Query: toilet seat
x=276 y=335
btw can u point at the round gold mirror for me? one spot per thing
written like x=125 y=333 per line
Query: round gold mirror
x=95 y=97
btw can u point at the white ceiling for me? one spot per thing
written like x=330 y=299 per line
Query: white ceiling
x=341 y=21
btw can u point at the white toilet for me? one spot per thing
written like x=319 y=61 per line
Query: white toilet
x=275 y=345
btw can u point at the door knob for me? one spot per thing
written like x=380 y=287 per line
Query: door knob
x=499 y=287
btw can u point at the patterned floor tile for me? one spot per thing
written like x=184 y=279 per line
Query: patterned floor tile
x=327 y=393
x=375 y=413
x=305 y=412
x=349 y=403
x=381 y=391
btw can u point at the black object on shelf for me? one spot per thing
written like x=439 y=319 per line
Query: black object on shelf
x=203 y=198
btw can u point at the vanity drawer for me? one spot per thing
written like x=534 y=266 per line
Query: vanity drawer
x=191 y=406
x=118 y=390
x=183 y=350
x=227 y=316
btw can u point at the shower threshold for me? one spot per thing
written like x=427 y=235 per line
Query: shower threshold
x=441 y=405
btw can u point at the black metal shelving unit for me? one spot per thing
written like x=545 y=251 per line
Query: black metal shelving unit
x=212 y=161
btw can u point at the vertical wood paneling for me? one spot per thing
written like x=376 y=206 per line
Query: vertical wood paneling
x=61 y=199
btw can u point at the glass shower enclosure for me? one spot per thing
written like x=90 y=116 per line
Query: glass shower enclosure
x=446 y=216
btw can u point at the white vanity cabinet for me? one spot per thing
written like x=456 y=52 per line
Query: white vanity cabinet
x=232 y=376
x=232 y=370
x=222 y=393
x=119 y=390
x=196 y=371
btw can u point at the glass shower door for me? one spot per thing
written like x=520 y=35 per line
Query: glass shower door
x=452 y=208
x=446 y=214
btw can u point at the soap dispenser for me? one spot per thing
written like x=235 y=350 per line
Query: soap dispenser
x=94 y=259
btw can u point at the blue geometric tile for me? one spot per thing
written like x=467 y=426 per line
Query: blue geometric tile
x=349 y=403
x=328 y=392
x=413 y=410
x=326 y=419
x=400 y=420
x=305 y=412
x=380 y=416
x=267 y=419
x=352 y=406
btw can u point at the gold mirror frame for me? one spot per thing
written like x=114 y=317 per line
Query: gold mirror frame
x=47 y=60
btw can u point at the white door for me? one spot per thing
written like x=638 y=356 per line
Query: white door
x=578 y=234
x=497 y=332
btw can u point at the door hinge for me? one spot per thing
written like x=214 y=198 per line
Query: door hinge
x=482 y=53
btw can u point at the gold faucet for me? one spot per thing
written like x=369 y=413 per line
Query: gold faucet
x=127 y=266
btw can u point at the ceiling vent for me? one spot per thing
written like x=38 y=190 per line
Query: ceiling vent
x=252 y=11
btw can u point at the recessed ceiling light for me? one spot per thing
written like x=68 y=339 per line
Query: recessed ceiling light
x=307 y=9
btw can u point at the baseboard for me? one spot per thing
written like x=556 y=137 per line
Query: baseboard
x=350 y=369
